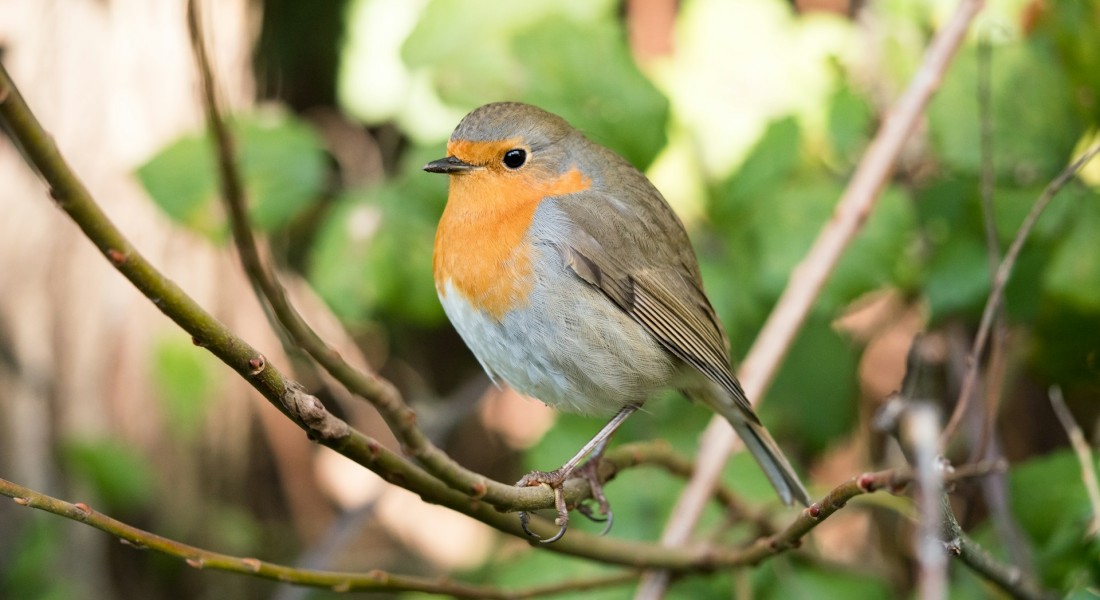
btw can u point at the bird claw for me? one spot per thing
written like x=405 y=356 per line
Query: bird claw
x=556 y=480
x=590 y=472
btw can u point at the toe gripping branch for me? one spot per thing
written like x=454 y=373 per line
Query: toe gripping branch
x=556 y=480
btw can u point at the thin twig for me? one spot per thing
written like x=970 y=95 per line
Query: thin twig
x=370 y=581
x=1084 y=455
x=919 y=431
x=996 y=295
x=1010 y=579
x=995 y=371
x=809 y=277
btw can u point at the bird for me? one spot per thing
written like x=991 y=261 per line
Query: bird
x=571 y=279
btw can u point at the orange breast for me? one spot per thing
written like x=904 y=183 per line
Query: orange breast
x=480 y=244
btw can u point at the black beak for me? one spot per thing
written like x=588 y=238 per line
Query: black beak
x=449 y=165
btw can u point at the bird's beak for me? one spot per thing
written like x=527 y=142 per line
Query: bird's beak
x=450 y=165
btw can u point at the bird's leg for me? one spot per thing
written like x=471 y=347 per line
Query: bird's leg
x=556 y=479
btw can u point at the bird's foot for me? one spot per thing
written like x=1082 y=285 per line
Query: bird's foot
x=556 y=480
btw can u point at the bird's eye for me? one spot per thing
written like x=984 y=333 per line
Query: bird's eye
x=514 y=158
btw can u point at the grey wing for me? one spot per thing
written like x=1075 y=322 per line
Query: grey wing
x=653 y=276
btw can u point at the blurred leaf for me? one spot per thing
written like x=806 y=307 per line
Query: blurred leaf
x=181 y=180
x=281 y=161
x=1074 y=272
x=373 y=253
x=1050 y=504
x=1047 y=494
x=849 y=124
x=880 y=255
x=821 y=584
x=1030 y=144
x=958 y=278
x=619 y=108
x=542 y=53
x=119 y=473
x=768 y=165
x=813 y=399
x=465 y=72
x=188 y=380
x=31 y=571
x=788 y=222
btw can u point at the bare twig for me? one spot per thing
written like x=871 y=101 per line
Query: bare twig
x=810 y=275
x=371 y=581
x=919 y=431
x=1010 y=579
x=996 y=295
x=995 y=373
x=1084 y=456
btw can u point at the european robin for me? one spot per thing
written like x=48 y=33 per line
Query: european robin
x=572 y=280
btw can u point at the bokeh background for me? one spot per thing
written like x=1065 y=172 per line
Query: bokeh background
x=750 y=116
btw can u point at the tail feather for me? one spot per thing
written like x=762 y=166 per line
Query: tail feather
x=775 y=465
x=762 y=447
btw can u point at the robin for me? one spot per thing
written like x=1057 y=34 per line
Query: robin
x=572 y=280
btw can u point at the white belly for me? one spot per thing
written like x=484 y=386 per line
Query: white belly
x=569 y=346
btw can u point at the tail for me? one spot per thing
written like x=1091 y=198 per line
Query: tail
x=761 y=445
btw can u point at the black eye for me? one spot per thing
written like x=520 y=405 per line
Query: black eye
x=514 y=158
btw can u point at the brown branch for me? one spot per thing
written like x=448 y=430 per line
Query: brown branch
x=1010 y=579
x=996 y=295
x=370 y=581
x=1084 y=456
x=809 y=277
x=698 y=558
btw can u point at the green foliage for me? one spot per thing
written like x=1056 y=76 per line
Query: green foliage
x=811 y=400
x=1050 y=504
x=188 y=379
x=29 y=575
x=545 y=55
x=373 y=254
x=281 y=162
x=119 y=474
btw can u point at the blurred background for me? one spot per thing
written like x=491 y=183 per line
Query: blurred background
x=750 y=117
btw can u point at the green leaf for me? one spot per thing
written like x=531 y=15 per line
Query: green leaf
x=821 y=584
x=813 y=400
x=770 y=163
x=181 y=180
x=1035 y=121
x=120 y=474
x=373 y=253
x=1050 y=503
x=1074 y=272
x=880 y=255
x=958 y=278
x=281 y=162
x=27 y=574
x=849 y=124
x=619 y=108
x=188 y=383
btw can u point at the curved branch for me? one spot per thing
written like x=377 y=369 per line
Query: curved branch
x=1000 y=281
x=371 y=581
